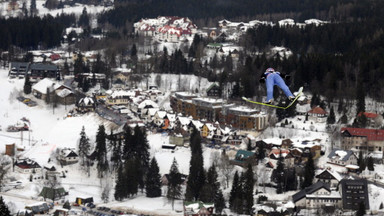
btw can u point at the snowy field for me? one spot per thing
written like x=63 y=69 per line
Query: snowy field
x=51 y=130
x=77 y=9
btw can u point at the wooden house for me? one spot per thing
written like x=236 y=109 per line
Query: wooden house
x=316 y=196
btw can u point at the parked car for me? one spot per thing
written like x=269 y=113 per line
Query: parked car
x=31 y=103
x=20 y=98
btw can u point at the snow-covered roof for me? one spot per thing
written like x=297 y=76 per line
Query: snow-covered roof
x=274 y=141
x=86 y=101
x=148 y=104
x=161 y=114
x=152 y=111
x=45 y=84
x=342 y=155
x=122 y=93
x=184 y=120
x=314 y=21
x=286 y=22
x=64 y=93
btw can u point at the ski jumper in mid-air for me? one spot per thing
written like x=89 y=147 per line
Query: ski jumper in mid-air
x=272 y=78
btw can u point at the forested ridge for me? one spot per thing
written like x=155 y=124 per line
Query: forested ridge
x=340 y=10
x=31 y=32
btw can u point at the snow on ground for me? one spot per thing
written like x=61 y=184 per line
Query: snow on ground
x=52 y=130
x=77 y=9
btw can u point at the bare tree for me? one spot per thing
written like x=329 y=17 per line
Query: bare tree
x=224 y=167
x=105 y=190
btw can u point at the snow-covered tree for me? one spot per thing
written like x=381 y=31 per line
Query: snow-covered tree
x=84 y=146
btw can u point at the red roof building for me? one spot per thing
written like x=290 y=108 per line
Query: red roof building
x=358 y=139
x=371 y=134
x=318 y=114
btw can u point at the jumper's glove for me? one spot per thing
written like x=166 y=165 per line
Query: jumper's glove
x=262 y=80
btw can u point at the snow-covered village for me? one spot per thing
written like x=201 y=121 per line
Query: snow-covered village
x=108 y=108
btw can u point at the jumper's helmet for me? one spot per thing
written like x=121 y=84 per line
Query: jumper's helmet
x=270 y=70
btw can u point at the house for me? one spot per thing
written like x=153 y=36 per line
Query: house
x=38 y=208
x=213 y=90
x=198 y=208
x=207 y=131
x=159 y=118
x=329 y=177
x=288 y=158
x=119 y=98
x=53 y=193
x=316 y=196
x=18 y=69
x=27 y=166
x=65 y=96
x=40 y=89
x=357 y=139
x=243 y=158
x=374 y=119
x=353 y=192
x=91 y=77
x=13 y=6
x=86 y=104
x=317 y=114
x=41 y=71
x=145 y=105
x=67 y=156
x=179 y=139
x=342 y=157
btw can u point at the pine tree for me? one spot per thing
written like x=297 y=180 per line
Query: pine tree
x=239 y=201
x=196 y=177
x=361 y=162
x=234 y=191
x=130 y=172
x=134 y=54
x=249 y=183
x=101 y=151
x=260 y=154
x=153 y=180
x=174 y=183
x=27 y=86
x=129 y=144
x=84 y=18
x=142 y=152
x=331 y=118
x=79 y=65
x=370 y=164
x=309 y=173
x=4 y=211
x=120 y=191
x=219 y=202
x=360 y=97
x=84 y=146
x=211 y=186
x=116 y=154
x=280 y=174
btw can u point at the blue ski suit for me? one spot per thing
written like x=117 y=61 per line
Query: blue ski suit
x=274 y=78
